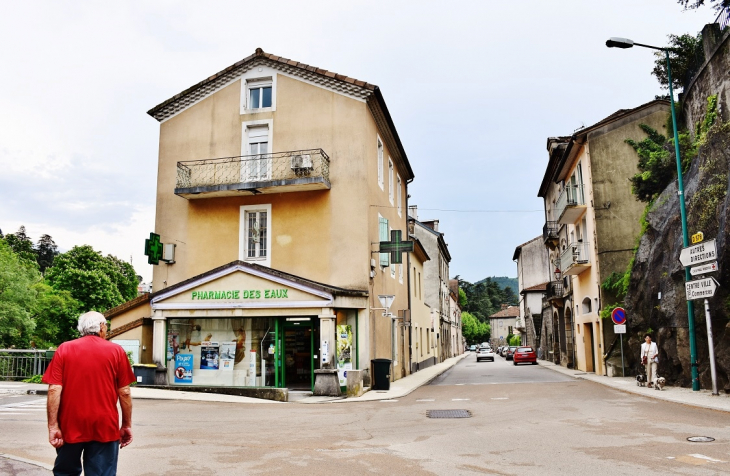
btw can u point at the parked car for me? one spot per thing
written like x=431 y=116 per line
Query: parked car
x=510 y=352
x=500 y=350
x=524 y=355
x=472 y=348
x=485 y=353
x=486 y=344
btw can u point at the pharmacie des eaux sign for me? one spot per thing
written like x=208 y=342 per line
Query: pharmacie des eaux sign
x=240 y=294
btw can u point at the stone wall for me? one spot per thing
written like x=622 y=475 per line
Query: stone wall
x=710 y=80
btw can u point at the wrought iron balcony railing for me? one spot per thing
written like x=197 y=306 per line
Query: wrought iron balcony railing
x=571 y=196
x=550 y=231
x=575 y=258
x=554 y=290
x=263 y=173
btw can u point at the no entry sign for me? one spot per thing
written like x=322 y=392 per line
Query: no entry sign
x=618 y=316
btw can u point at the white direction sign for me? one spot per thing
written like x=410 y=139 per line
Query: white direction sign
x=704 y=269
x=698 y=253
x=700 y=288
x=619 y=328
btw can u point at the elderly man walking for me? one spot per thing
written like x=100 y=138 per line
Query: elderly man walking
x=86 y=378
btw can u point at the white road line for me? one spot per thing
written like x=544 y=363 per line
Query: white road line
x=699 y=456
x=426 y=400
x=389 y=401
x=500 y=398
x=459 y=399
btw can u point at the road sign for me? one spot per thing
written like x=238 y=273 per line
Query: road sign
x=618 y=316
x=698 y=253
x=700 y=288
x=698 y=237
x=619 y=329
x=704 y=269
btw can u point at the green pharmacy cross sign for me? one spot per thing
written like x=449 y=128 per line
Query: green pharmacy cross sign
x=396 y=247
x=153 y=249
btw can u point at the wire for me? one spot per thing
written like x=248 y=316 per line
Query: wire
x=466 y=211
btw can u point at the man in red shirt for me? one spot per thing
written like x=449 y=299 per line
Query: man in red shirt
x=86 y=378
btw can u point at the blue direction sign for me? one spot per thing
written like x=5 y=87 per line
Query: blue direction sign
x=618 y=316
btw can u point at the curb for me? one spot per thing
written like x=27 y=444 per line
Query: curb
x=27 y=461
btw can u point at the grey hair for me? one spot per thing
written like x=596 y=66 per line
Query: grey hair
x=90 y=323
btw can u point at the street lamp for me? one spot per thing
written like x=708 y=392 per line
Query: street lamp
x=624 y=43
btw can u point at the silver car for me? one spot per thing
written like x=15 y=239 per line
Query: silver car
x=485 y=353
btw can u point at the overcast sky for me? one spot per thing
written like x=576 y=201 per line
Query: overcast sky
x=474 y=88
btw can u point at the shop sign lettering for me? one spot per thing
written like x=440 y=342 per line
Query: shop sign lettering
x=245 y=294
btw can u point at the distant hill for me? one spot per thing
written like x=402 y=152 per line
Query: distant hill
x=503 y=282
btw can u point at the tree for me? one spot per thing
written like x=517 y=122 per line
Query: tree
x=510 y=297
x=17 y=297
x=716 y=4
x=686 y=56
x=462 y=298
x=46 y=251
x=21 y=244
x=98 y=283
x=656 y=165
x=473 y=330
x=56 y=316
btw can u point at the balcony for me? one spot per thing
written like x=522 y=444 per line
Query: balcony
x=575 y=259
x=571 y=204
x=550 y=234
x=554 y=290
x=293 y=171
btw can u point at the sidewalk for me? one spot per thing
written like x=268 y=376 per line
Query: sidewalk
x=686 y=396
x=399 y=388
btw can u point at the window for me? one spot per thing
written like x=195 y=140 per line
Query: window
x=392 y=265
x=587 y=305
x=380 y=163
x=383 y=233
x=400 y=273
x=399 y=191
x=255 y=234
x=391 y=185
x=259 y=94
x=256 y=166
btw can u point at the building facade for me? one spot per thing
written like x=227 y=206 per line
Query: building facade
x=276 y=182
x=591 y=223
x=533 y=264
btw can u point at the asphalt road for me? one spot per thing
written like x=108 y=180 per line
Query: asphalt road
x=525 y=420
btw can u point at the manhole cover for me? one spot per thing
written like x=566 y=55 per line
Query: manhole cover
x=448 y=414
x=700 y=439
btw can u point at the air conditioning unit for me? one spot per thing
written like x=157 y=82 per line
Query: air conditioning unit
x=301 y=162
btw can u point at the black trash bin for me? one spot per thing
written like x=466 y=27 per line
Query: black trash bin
x=145 y=373
x=381 y=373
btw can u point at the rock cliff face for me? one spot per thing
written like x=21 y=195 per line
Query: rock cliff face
x=657 y=270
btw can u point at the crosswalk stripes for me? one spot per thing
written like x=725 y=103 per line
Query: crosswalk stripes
x=24 y=408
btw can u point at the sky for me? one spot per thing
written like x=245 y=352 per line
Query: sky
x=475 y=88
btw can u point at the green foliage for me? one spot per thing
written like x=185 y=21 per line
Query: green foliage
x=716 y=4
x=98 y=283
x=514 y=340
x=607 y=310
x=473 y=330
x=485 y=298
x=703 y=127
x=56 y=316
x=21 y=244
x=46 y=251
x=34 y=379
x=686 y=56
x=502 y=281
x=129 y=357
x=17 y=297
x=656 y=165
x=43 y=253
x=462 y=298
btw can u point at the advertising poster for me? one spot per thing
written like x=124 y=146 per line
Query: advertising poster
x=209 y=356
x=344 y=352
x=228 y=355
x=173 y=344
x=252 y=369
x=184 y=368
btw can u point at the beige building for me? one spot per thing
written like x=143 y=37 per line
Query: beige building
x=276 y=182
x=503 y=323
x=591 y=224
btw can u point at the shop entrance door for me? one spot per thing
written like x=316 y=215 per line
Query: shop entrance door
x=298 y=356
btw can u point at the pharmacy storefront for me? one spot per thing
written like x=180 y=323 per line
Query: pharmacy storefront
x=245 y=325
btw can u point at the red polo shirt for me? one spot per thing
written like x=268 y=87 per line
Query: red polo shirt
x=90 y=369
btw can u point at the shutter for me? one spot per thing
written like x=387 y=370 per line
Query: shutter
x=384 y=257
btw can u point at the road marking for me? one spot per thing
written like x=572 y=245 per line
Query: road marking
x=459 y=399
x=388 y=401
x=500 y=398
x=426 y=400
x=699 y=456
x=457 y=384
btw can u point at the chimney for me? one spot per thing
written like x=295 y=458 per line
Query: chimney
x=505 y=306
x=413 y=211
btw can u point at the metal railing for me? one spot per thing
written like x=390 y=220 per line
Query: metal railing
x=20 y=364
x=571 y=196
x=575 y=253
x=253 y=168
x=554 y=290
x=550 y=231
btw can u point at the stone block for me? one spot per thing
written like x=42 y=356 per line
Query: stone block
x=355 y=386
x=326 y=383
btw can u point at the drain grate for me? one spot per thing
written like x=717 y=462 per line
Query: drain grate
x=700 y=439
x=448 y=414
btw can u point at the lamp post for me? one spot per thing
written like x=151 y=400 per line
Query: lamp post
x=626 y=43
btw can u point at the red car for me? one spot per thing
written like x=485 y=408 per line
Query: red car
x=524 y=355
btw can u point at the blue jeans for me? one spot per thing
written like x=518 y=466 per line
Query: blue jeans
x=100 y=459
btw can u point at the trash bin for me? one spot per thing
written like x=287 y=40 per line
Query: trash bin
x=381 y=373
x=145 y=373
